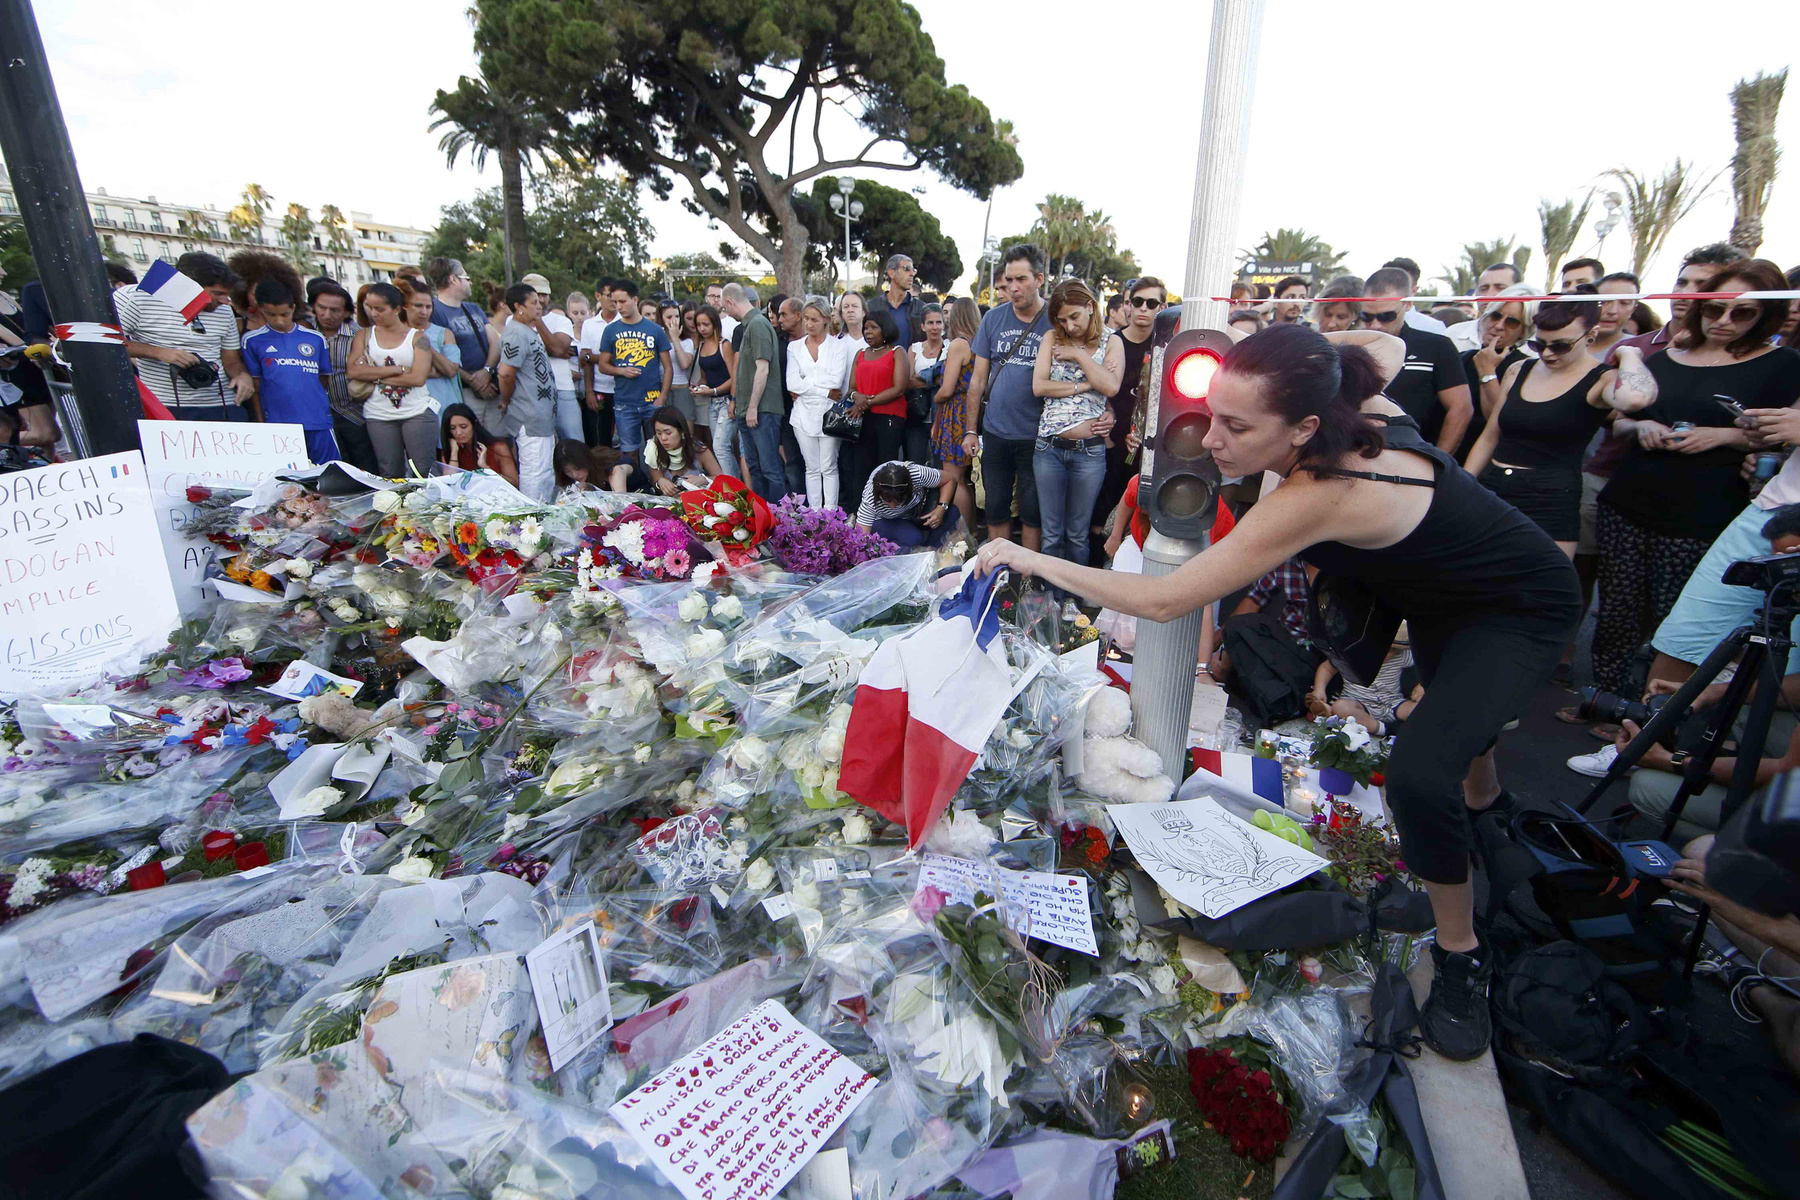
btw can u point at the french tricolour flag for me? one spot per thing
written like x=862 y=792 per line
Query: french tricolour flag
x=1244 y=772
x=925 y=705
x=173 y=289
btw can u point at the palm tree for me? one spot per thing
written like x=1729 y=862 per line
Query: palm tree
x=1653 y=207
x=1754 y=103
x=337 y=230
x=193 y=223
x=1561 y=225
x=296 y=236
x=479 y=122
x=1298 y=246
x=1478 y=257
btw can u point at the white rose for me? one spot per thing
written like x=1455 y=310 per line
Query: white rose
x=759 y=876
x=386 y=502
x=806 y=895
x=417 y=501
x=831 y=745
x=722 y=508
x=752 y=753
x=412 y=814
x=515 y=822
x=317 y=802
x=411 y=870
x=300 y=568
x=692 y=607
x=741 y=534
x=728 y=608
x=243 y=637
x=705 y=570
x=1162 y=978
x=857 y=829
x=812 y=775
x=641 y=754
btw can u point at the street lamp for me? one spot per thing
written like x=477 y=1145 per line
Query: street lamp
x=990 y=254
x=1610 y=221
x=851 y=210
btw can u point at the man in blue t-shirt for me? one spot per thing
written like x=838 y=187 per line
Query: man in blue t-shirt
x=468 y=326
x=1006 y=348
x=635 y=351
x=289 y=364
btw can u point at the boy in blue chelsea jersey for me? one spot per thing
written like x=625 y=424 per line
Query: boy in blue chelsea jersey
x=290 y=363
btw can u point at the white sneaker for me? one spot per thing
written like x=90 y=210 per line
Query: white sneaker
x=1071 y=610
x=1596 y=764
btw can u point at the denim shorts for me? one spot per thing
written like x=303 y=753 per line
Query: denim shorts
x=1006 y=464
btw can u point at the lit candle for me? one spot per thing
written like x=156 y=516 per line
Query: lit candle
x=1139 y=1103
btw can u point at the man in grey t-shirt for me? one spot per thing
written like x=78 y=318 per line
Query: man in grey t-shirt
x=1006 y=348
x=528 y=393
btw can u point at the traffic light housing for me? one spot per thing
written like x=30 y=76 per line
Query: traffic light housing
x=1179 y=483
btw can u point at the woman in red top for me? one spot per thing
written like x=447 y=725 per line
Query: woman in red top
x=467 y=444
x=880 y=375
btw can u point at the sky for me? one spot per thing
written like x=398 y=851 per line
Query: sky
x=1394 y=129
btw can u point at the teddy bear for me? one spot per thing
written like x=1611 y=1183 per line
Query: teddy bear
x=1116 y=766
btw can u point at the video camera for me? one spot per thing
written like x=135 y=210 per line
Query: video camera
x=1766 y=573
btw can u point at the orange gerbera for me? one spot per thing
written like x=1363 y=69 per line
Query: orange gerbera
x=468 y=533
x=262 y=581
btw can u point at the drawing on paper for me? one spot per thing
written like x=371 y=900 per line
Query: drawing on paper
x=1207 y=858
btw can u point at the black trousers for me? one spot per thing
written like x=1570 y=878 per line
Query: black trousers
x=1477 y=678
x=353 y=443
x=883 y=440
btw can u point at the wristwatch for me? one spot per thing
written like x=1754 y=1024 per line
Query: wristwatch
x=1489 y=377
x=1678 y=759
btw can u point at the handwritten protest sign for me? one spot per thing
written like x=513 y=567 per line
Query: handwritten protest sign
x=83 y=584
x=184 y=454
x=1042 y=905
x=741 y=1115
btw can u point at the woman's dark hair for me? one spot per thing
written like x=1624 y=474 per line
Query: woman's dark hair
x=712 y=314
x=482 y=436
x=570 y=453
x=674 y=418
x=1645 y=318
x=1560 y=314
x=890 y=332
x=390 y=296
x=251 y=267
x=1754 y=275
x=893 y=479
x=1304 y=375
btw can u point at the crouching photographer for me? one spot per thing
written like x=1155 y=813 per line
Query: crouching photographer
x=1749 y=876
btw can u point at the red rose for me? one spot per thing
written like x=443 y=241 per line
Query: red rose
x=1377 y=778
x=196 y=494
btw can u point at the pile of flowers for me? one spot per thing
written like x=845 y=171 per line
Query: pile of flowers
x=1234 y=1085
x=644 y=543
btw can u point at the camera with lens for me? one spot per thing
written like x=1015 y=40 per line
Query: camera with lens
x=199 y=375
x=1765 y=573
x=1597 y=705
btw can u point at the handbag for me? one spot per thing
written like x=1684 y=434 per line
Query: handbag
x=360 y=389
x=921 y=401
x=840 y=422
x=1351 y=626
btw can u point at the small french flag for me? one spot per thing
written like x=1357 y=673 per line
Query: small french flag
x=1244 y=772
x=174 y=289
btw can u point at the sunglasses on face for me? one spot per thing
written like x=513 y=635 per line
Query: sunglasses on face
x=1741 y=314
x=1382 y=318
x=1149 y=302
x=1564 y=346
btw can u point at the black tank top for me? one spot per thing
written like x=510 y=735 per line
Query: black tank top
x=713 y=368
x=1547 y=433
x=1473 y=560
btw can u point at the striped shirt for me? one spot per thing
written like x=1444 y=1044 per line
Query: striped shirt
x=144 y=318
x=337 y=384
x=924 y=480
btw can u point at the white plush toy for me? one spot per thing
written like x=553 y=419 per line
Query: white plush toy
x=1116 y=766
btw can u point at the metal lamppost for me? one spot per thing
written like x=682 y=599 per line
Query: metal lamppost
x=1610 y=221
x=851 y=210
x=990 y=255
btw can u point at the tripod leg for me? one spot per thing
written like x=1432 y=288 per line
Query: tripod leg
x=1698 y=772
x=1672 y=713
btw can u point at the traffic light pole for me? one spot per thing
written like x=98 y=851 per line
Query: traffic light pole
x=1168 y=652
x=41 y=162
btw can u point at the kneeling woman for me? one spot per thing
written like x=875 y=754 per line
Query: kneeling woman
x=898 y=503
x=468 y=444
x=1489 y=598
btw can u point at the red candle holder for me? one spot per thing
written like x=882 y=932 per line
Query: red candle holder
x=218 y=844
x=250 y=856
x=150 y=875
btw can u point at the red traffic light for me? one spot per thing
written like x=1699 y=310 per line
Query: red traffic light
x=1180 y=483
x=1191 y=375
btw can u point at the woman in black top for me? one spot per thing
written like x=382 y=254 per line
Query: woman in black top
x=1677 y=491
x=1530 y=452
x=710 y=383
x=1489 y=598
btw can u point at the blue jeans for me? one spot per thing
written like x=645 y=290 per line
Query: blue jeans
x=631 y=419
x=724 y=437
x=568 y=415
x=1068 y=482
x=762 y=456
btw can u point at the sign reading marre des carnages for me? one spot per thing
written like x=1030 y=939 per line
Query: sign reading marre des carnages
x=82 y=578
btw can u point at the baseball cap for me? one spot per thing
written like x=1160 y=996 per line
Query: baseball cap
x=538 y=283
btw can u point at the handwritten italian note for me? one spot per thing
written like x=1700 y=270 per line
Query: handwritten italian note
x=1040 y=904
x=82 y=579
x=184 y=454
x=741 y=1115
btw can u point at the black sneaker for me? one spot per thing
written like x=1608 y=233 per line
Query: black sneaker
x=1455 y=1020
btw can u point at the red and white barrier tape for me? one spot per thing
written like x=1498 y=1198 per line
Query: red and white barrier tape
x=1432 y=300
x=88 y=331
